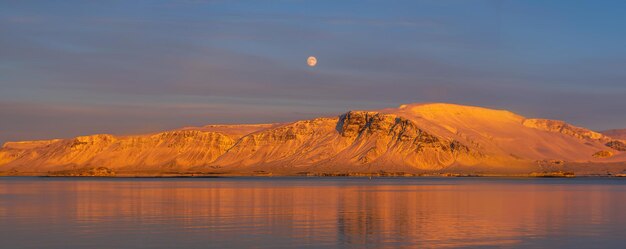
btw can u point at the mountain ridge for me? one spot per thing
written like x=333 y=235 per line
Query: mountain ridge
x=616 y=133
x=426 y=138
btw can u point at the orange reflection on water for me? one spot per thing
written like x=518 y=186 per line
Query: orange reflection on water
x=382 y=213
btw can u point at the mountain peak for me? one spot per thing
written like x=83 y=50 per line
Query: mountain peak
x=437 y=110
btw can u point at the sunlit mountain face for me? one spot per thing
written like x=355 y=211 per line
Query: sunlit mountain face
x=432 y=138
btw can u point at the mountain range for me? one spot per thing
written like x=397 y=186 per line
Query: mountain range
x=413 y=139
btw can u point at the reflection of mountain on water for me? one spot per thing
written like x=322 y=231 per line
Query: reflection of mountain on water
x=378 y=213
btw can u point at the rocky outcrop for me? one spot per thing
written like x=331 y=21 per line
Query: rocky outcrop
x=389 y=136
x=562 y=127
x=617 y=145
x=603 y=154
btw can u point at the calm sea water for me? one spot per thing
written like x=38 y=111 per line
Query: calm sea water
x=312 y=213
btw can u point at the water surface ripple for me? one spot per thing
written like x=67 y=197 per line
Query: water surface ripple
x=312 y=213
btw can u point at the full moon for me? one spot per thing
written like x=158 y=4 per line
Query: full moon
x=311 y=61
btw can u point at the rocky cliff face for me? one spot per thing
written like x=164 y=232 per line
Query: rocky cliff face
x=617 y=145
x=387 y=137
x=564 y=128
x=412 y=138
x=580 y=133
x=360 y=140
x=174 y=150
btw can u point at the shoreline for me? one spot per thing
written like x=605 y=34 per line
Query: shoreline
x=321 y=175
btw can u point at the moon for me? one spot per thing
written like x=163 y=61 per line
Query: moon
x=311 y=61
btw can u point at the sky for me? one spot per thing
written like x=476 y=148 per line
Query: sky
x=70 y=68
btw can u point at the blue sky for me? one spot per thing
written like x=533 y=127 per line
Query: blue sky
x=71 y=68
